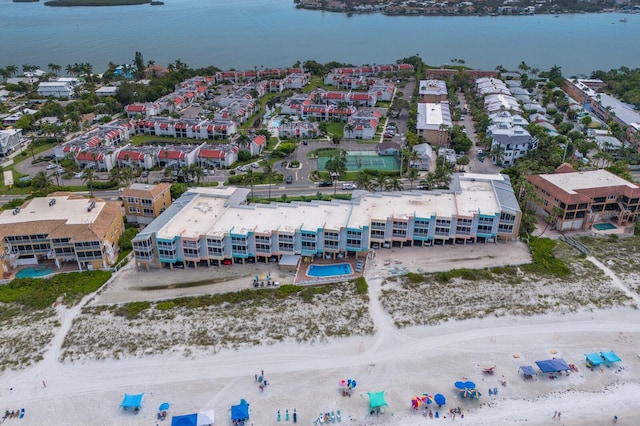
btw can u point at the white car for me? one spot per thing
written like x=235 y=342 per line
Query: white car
x=348 y=186
x=242 y=169
x=78 y=175
x=51 y=166
x=255 y=165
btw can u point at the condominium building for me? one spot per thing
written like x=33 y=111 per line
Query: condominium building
x=578 y=200
x=143 y=203
x=434 y=122
x=61 y=228
x=210 y=225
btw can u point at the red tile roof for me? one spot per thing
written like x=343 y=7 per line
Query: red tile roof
x=136 y=108
x=259 y=140
x=172 y=155
x=133 y=155
x=211 y=153
x=89 y=156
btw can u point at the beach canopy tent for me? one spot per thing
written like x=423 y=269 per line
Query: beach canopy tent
x=528 y=371
x=553 y=365
x=203 y=418
x=594 y=359
x=376 y=399
x=132 y=401
x=610 y=357
x=240 y=411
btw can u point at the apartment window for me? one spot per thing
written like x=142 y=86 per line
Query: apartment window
x=463 y=226
x=147 y=203
x=147 y=212
x=132 y=200
x=191 y=252
x=443 y=226
x=378 y=225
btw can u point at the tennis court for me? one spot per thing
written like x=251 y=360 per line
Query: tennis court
x=361 y=160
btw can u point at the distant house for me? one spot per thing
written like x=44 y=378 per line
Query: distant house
x=143 y=203
x=106 y=91
x=9 y=140
x=434 y=122
x=433 y=91
x=218 y=156
x=56 y=89
x=425 y=155
x=137 y=157
x=362 y=125
x=388 y=148
x=514 y=141
x=257 y=146
x=155 y=71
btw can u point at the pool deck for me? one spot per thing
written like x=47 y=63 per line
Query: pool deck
x=303 y=279
x=67 y=267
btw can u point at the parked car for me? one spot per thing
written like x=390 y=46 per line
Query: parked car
x=348 y=186
x=242 y=169
x=78 y=175
x=51 y=166
x=289 y=179
x=255 y=165
x=144 y=174
x=388 y=135
x=325 y=184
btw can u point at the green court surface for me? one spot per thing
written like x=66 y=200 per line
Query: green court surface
x=361 y=160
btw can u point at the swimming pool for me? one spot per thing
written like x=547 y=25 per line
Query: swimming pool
x=34 y=272
x=606 y=226
x=329 y=270
x=275 y=122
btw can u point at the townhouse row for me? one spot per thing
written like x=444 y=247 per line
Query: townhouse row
x=211 y=225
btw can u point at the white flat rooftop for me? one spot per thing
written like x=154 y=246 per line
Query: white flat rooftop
x=477 y=197
x=570 y=182
x=73 y=211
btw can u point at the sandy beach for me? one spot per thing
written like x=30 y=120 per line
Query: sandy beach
x=304 y=376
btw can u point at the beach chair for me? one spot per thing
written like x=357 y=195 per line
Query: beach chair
x=495 y=391
x=338 y=416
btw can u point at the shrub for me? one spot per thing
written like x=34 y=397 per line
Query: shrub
x=132 y=310
x=103 y=185
x=361 y=285
x=39 y=293
x=125 y=239
x=544 y=262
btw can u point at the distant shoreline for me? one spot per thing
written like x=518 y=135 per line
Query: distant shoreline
x=73 y=3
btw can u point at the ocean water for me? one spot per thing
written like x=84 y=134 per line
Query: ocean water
x=247 y=33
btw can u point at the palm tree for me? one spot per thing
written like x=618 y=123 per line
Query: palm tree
x=497 y=152
x=412 y=175
x=5 y=74
x=243 y=141
x=250 y=178
x=349 y=128
x=88 y=176
x=268 y=174
x=196 y=172
x=127 y=174
x=524 y=67
x=41 y=181
x=393 y=184
x=363 y=181
x=115 y=174
x=12 y=70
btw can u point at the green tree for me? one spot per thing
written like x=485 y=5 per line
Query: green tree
x=25 y=122
x=412 y=176
x=337 y=166
x=41 y=182
x=88 y=176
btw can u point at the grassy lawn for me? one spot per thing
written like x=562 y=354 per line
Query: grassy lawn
x=335 y=128
x=316 y=81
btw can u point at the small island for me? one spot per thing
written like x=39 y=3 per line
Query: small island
x=26 y=1
x=70 y=3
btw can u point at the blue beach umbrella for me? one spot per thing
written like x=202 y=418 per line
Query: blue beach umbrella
x=164 y=406
x=440 y=399
x=469 y=385
x=459 y=385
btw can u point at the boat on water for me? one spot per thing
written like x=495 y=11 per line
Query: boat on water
x=623 y=20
